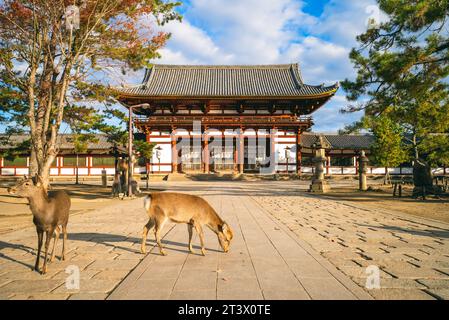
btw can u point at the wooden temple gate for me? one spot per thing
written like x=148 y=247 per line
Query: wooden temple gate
x=224 y=118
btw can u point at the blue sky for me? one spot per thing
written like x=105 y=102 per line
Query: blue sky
x=318 y=34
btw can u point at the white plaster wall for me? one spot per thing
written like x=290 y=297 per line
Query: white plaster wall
x=165 y=154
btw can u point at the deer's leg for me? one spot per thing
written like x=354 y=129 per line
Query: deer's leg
x=48 y=236
x=55 y=242
x=40 y=237
x=199 y=230
x=146 y=228
x=159 y=224
x=64 y=241
x=190 y=229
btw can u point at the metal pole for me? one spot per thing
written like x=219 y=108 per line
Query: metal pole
x=130 y=144
x=76 y=178
x=130 y=151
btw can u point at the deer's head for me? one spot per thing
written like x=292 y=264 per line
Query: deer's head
x=225 y=236
x=26 y=187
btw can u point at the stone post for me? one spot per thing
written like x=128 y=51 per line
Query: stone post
x=363 y=169
x=104 y=178
x=319 y=184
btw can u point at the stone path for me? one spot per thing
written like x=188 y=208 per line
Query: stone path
x=287 y=245
x=411 y=253
x=265 y=262
x=103 y=244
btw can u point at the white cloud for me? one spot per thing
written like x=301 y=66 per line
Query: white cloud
x=268 y=31
x=321 y=61
x=192 y=45
x=255 y=30
x=343 y=20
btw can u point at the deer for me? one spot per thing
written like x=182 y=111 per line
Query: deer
x=183 y=208
x=50 y=215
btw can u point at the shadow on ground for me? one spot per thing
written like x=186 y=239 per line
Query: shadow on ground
x=103 y=239
x=439 y=233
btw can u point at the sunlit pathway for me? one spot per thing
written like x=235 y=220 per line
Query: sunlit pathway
x=411 y=253
x=266 y=261
x=287 y=245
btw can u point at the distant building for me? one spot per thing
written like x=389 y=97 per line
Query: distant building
x=100 y=155
x=203 y=119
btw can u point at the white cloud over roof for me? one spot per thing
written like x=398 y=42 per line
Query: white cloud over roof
x=274 y=31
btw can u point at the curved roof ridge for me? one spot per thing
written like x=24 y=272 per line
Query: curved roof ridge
x=274 y=80
x=230 y=66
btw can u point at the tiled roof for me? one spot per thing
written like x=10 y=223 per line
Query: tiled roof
x=351 y=142
x=226 y=81
x=64 y=142
x=346 y=141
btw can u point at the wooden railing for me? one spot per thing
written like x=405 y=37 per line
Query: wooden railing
x=224 y=120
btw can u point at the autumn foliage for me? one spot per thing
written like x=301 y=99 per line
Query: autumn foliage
x=48 y=64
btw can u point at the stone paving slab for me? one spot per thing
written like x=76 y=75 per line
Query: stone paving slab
x=287 y=245
x=265 y=262
x=410 y=252
x=103 y=244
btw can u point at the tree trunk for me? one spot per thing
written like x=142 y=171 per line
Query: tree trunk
x=422 y=174
x=33 y=170
x=44 y=170
x=387 y=178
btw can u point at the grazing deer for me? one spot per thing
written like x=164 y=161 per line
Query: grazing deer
x=183 y=208
x=50 y=213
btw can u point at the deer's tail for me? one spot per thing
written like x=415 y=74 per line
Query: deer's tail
x=147 y=202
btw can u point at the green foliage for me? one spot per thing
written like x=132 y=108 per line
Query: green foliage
x=16 y=150
x=115 y=126
x=402 y=67
x=48 y=68
x=84 y=122
x=145 y=149
x=388 y=149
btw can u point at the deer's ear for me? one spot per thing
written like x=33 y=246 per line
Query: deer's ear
x=227 y=231
x=37 y=181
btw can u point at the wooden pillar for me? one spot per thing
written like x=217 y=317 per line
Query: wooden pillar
x=147 y=139
x=236 y=156
x=206 y=167
x=273 y=151
x=241 y=152
x=174 y=153
x=298 y=152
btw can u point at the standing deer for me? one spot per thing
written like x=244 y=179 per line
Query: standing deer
x=183 y=208
x=50 y=213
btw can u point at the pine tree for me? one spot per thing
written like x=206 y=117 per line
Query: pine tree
x=402 y=67
x=388 y=149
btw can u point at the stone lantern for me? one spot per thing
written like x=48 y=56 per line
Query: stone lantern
x=319 y=184
x=363 y=169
